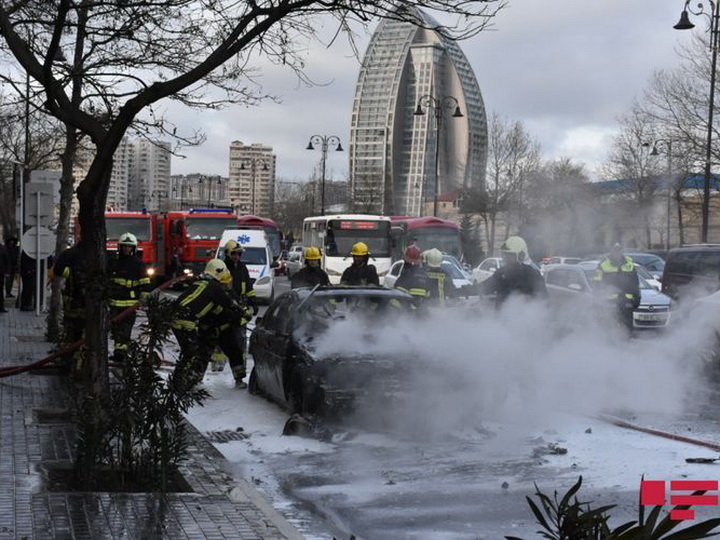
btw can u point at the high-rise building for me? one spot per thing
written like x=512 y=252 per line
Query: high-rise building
x=197 y=190
x=251 y=178
x=149 y=175
x=399 y=160
x=117 y=197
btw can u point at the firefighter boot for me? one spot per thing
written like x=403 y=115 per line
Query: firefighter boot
x=239 y=374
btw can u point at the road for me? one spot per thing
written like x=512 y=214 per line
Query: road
x=446 y=469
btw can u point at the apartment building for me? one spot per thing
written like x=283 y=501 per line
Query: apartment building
x=251 y=178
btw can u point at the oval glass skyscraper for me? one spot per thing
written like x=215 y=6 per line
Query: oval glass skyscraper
x=395 y=153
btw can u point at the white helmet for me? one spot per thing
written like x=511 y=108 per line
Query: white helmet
x=433 y=257
x=217 y=269
x=515 y=245
x=127 y=239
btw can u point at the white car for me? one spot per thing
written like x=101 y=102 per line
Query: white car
x=459 y=279
x=486 y=269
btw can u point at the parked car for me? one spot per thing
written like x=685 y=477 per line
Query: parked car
x=563 y=260
x=289 y=370
x=293 y=264
x=486 y=269
x=691 y=272
x=281 y=268
x=459 y=277
x=651 y=262
x=647 y=276
x=462 y=267
x=565 y=280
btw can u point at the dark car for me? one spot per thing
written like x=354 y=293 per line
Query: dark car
x=288 y=368
x=692 y=271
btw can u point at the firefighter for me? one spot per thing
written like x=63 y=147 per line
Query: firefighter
x=413 y=279
x=311 y=274
x=440 y=282
x=207 y=312
x=70 y=268
x=360 y=272
x=129 y=283
x=618 y=283
x=516 y=275
x=244 y=294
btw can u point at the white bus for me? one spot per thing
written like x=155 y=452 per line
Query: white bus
x=336 y=234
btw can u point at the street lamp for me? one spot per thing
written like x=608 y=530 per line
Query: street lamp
x=438 y=105
x=666 y=144
x=325 y=141
x=253 y=161
x=685 y=24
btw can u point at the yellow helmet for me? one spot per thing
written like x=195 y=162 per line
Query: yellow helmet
x=231 y=246
x=360 y=249
x=312 y=254
x=127 y=239
x=515 y=245
x=217 y=269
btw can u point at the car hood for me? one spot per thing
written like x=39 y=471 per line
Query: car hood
x=653 y=297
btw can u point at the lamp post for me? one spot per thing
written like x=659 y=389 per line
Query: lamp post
x=325 y=142
x=253 y=161
x=666 y=144
x=438 y=105
x=685 y=24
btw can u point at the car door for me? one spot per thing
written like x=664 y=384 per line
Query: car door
x=271 y=343
x=393 y=274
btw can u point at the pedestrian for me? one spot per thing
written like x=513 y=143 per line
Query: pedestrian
x=206 y=313
x=617 y=283
x=28 y=272
x=128 y=283
x=517 y=276
x=13 y=254
x=244 y=294
x=311 y=274
x=413 y=279
x=441 y=285
x=4 y=265
x=360 y=272
x=70 y=268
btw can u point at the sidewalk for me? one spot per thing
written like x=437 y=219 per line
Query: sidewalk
x=32 y=437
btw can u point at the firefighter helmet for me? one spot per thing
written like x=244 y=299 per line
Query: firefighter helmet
x=127 y=239
x=232 y=246
x=412 y=254
x=217 y=269
x=312 y=254
x=359 y=249
x=433 y=257
x=516 y=246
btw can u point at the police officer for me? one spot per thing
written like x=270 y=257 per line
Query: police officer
x=360 y=272
x=413 y=279
x=516 y=276
x=618 y=283
x=244 y=294
x=206 y=313
x=440 y=282
x=129 y=283
x=70 y=267
x=311 y=274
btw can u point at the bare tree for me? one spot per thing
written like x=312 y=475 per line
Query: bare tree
x=293 y=203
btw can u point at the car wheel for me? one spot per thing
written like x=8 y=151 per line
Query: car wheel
x=253 y=386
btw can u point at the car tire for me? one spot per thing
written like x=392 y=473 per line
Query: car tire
x=253 y=386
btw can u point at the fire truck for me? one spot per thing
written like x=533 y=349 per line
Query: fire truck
x=190 y=237
x=142 y=225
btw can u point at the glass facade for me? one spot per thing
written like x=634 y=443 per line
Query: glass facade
x=393 y=151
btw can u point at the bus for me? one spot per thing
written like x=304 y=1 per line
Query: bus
x=336 y=234
x=274 y=234
x=426 y=233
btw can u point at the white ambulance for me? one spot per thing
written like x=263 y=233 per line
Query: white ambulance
x=256 y=256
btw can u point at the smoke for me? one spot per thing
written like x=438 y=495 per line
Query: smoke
x=464 y=365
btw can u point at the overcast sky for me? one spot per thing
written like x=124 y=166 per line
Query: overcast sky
x=565 y=68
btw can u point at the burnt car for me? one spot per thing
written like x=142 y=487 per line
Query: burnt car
x=289 y=368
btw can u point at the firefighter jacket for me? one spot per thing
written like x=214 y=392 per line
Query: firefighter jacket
x=414 y=281
x=360 y=274
x=618 y=283
x=70 y=265
x=512 y=279
x=242 y=285
x=208 y=307
x=129 y=281
x=440 y=286
x=309 y=276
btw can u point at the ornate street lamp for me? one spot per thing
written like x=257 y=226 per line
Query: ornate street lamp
x=325 y=142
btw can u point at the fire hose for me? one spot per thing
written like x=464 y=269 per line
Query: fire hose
x=72 y=347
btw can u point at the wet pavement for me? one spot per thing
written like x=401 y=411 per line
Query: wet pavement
x=35 y=437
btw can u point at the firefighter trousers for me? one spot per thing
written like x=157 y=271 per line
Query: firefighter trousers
x=121 y=332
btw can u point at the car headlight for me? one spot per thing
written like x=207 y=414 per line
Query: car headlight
x=263 y=280
x=331 y=272
x=187 y=272
x=151 y=271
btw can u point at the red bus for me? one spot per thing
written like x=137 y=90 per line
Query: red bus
x=190 y=237
x=425 y=232
x=271 y=228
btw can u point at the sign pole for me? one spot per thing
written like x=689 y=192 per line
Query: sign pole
x=37 y=255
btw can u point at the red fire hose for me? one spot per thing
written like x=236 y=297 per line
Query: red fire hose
x=69 y=349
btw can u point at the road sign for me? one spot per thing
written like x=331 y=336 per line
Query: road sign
x=38 y=238
x=39 y=199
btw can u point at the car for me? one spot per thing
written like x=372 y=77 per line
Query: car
x=651 y=262
x=281 y=269
x=459 y=277
x=289 y=369
x=293 y=264
x=563 y=260
x=463 y=268
x=691 y=272
x=566 y=280
x=486 y=269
